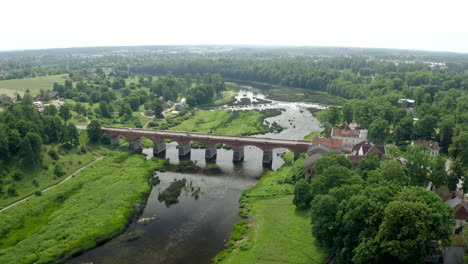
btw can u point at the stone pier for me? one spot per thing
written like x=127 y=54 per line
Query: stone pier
x=238 y=154
x=136 y=144
x=210 y=152
x=159 y=147
x=115 y=140
x=267 y=157
x=184 y=149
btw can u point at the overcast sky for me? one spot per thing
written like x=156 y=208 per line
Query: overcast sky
x=405 y=24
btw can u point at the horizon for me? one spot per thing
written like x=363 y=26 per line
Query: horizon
x=236 y=46
x=417 y=25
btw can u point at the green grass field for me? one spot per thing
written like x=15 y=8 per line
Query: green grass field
x=225 y=123
x=274 y=232
x=41 y=176
x=10 y=87
x=85 y=211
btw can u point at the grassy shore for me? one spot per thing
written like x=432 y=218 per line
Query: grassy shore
x=92 y=207
x=33 y=84
x=220 y=122
x=273 y=230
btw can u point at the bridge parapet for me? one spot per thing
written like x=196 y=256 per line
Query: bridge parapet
x=183 y=138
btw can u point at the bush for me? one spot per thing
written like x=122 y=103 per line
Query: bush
x=105 y=140
x=18 y=176
x=53 y=154
x=35 y=183
x=83 y=149
x=38 y=193
x=59 y=171
x=12 y=190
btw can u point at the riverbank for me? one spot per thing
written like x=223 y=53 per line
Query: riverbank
x=292 y=94
x=224 y=122
x=85 y=211
x=272 y=229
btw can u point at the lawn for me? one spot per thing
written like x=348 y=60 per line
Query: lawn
x=34 y=84
x=274 y=231
x=83 y=212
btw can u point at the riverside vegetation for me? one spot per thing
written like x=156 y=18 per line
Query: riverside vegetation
x=84 y=212
x=272 y=229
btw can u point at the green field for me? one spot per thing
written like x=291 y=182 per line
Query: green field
x=10 y=87
x=274 y=232
x=39 y=177
x=85 y=211
x=225 y=122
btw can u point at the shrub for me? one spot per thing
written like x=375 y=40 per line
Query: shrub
x=38 y=193
x=105 y=140
x=59 y=171
x=35 y=183
x=18 y=176
x=53 y=154
x=83 y=149
x=12 y=190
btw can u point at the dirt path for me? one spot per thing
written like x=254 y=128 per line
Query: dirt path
x=53 y=186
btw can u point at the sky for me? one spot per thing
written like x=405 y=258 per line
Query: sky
x=403 y=24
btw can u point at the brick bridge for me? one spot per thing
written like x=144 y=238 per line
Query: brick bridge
x=135 y=135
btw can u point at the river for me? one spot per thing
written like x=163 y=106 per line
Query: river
x=197 y=226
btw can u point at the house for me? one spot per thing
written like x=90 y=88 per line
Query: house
x=181 y=105
x=349 y=136
x=406 y=103
x=54 y=95
x=362 y=149
x=319 y=146
x=433 y=146
x=5 y=98
x=456 y=200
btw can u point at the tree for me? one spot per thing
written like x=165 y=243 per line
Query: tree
x=94 y=130
x=347 y=111
x=64 y=113
x=370 y=163
x=302 y=196
x=27 y=99
x=105 y=109
x=459 y=148
x=329 y=159
x=446 y=132
x=70 y=135
x=323 y=212
x=389 y=171
x=25 y=151
x=379 y=131
x=425 y=127
x=438 y=174
x=333 y=176
x=416 y=165
x=457 y=172
x=403 y=131
x=50 y=110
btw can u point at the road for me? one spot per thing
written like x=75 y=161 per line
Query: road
x=53 y=186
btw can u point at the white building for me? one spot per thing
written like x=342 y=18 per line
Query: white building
x=350 y=137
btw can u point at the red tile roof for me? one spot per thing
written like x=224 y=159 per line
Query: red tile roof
x=330 y=142
x=460 y=211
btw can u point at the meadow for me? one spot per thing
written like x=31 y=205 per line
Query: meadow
x=95 y=205
x=273 y=231
x=226 y=122
x=35 y=84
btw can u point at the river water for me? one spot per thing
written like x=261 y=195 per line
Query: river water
x=198 y=225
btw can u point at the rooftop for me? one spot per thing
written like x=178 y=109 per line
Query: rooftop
x=330 y=142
